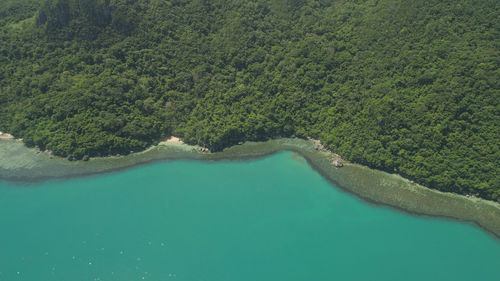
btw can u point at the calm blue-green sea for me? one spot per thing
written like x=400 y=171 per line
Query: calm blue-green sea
x=272 y=219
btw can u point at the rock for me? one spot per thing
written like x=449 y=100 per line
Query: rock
x=338 y=163
x=6 y=136
x=86 y=158
x=202 y=149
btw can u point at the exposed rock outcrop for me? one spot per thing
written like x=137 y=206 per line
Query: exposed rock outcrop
x=203 y=149
x=5 y=136
x=338 y=163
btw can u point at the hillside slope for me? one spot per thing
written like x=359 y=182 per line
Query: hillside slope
x=405 y=86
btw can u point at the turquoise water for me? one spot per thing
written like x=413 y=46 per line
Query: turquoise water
x=270 y=219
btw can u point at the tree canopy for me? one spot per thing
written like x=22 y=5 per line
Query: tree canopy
x=411 y=87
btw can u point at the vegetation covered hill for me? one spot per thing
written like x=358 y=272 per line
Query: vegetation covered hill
x=406 y=86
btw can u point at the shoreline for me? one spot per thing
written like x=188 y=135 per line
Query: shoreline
x=5 y=136
x=27 y=165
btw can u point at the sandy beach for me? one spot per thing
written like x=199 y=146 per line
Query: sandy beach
x=171 y=140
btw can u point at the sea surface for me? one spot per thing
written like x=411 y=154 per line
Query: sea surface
x=269 y=219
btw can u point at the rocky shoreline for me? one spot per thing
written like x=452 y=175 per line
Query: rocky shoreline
x=5 y=136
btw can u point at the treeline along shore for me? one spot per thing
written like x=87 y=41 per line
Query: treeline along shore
x=25 y=165
x=407 y=87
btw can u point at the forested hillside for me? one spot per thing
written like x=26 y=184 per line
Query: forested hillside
x=411 y=87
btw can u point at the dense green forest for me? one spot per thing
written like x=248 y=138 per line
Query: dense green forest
x=406 y=86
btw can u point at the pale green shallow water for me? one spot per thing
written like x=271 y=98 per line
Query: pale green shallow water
x=268 y=219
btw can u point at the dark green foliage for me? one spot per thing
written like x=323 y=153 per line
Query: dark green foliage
x=405 y=86
x=65 y=19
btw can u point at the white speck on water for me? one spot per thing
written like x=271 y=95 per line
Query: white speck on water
x=121 y=252
x=138 y=259
x=90 y=263
x=162 y=244
x=18 y=273
x=73 y=257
